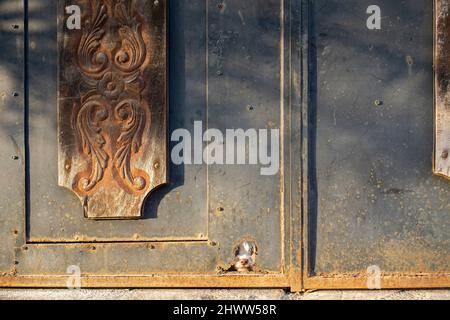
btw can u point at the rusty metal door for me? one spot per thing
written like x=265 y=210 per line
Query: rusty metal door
x=375 y=209
x=86 y=143
x=88 y=180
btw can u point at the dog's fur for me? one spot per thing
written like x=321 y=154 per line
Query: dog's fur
x=245 y=254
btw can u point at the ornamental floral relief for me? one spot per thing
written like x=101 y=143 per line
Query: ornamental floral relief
x=111 y=118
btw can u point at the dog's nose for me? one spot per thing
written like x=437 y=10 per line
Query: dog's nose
x=244 y=262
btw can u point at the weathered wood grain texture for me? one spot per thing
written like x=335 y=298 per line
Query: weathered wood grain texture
x=112 y=110
x=442 y=88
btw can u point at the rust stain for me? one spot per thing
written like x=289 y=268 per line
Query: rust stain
x=388 y=281
x=153 y=281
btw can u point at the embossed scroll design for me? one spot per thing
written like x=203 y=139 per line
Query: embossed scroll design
x=111 y=119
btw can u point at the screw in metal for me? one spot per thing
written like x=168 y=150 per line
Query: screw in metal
x=378 y=102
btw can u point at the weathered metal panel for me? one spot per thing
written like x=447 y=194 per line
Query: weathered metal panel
x=186 y=280
x=374 y=200
x=176 y=211
x=354 y=109
x=12 y=149
x=117 y=259
x=245 y=76
x=112 y=105
x=191 y=226
x=296 y=71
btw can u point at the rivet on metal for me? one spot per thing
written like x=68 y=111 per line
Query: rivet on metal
x=220 y=209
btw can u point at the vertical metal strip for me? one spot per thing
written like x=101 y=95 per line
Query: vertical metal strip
x=283 y=190
x=295 y=141
x=12 y=153
x=306 y=101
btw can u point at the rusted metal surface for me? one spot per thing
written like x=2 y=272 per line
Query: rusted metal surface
x=192 y=226
x=12 y=149
x=153 y=281
x=373 y=199
x=117 y=258
x=112 y=132
x=387 y=281
x=252 y=205
x=192 y=280
x=55 y=213
x=442 y=85
x=370 y=196
x=183 y=240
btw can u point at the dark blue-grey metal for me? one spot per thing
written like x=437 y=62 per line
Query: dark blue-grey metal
x=373 y=197
x=12 y=128
x=230 y=67
x=355 y=187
